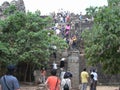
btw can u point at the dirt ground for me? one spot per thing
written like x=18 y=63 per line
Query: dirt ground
x=98 y=88
x=106 y=88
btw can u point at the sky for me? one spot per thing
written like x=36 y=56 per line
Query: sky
x=47 y=6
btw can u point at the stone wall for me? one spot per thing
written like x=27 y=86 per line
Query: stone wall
x=73 y=67
x=87 y=23
x=18 y=3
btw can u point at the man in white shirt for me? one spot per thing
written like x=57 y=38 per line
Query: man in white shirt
x=54 y=65
x=57 y=31
x=95 y=78
x=62 y=73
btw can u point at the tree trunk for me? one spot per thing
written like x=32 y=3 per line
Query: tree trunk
x=25 y=76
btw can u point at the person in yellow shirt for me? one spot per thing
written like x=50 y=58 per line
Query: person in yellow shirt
x=84 y=79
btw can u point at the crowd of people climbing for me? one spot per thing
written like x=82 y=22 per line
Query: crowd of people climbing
x=64 y=28
x=57 y=80
x=61 y=78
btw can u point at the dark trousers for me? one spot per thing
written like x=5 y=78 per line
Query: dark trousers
x=95 y=85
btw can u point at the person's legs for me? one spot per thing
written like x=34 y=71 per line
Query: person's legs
x=85 y=86
x=95 y=84
x=43 y=79
x=91 y=86
x=82 y=87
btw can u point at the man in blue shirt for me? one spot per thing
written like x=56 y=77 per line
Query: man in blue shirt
x=8 y=81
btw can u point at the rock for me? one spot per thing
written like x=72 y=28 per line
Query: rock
x=18 y=3
x=40 y=88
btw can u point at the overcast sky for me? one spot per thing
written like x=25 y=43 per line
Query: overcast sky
x=46 y=6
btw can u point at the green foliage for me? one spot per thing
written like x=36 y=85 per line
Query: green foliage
x=102 y=43
x=113 y=3
x=23 y=38
x=91 y=11
x=10 y=10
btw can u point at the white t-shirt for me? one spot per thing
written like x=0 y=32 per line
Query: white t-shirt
x=62 y=75
x=54 y=66
x=95 y=76
x=67 y=80
x=57 y=31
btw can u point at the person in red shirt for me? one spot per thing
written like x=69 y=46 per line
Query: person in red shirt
x=53 y=82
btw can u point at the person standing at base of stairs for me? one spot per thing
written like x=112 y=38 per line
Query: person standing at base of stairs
x=94 y=73
x=84 y=79
x=53 y=82
x=43 y=75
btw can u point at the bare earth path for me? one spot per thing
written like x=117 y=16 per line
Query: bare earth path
x=26 y=87
x=105 y=88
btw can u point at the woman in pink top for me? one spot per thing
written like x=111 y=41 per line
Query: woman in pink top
x=67 y=27
x=67 y=30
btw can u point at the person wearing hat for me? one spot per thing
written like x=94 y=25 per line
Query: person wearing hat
x=8 y=81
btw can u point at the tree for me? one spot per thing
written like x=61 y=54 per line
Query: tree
x=25 y=39
x=102 y=42
x=91 y=11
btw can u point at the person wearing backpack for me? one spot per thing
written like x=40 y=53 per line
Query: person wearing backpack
x=66 y=83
